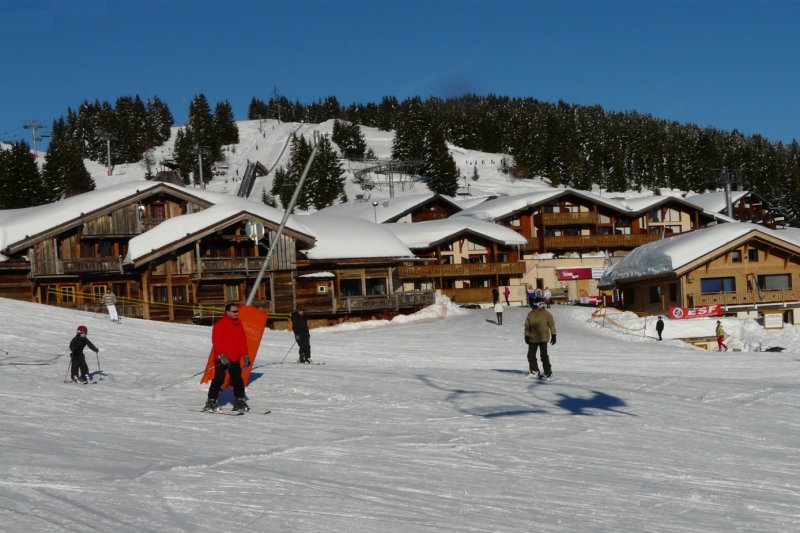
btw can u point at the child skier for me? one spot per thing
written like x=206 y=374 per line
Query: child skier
x=76 y=346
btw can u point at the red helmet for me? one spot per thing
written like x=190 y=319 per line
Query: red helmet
x=82 y=329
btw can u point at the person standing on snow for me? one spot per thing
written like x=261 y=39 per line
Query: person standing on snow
x=301 y=334
x=76 y=346
x=721 y=337
x=547 y=295
x=498 y=309
x=659 y=327
x=110 y=301
x=230 y=344
x=507 y=293
x=495 y=295
x=539 y=328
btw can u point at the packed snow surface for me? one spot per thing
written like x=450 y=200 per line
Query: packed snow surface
x=425 y=423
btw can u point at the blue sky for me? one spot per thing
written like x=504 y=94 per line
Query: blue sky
x=728 y=64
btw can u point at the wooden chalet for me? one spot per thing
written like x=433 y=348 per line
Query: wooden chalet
x=461 y=258
x=564 y=220
x=742 y=267
x=409 y=208
x=746 y=206
x=170 y=253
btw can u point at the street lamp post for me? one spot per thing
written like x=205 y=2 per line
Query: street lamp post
x=375 y=210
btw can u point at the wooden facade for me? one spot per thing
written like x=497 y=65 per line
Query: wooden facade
x=755 y=272
x=572 y=222
x=192 y=277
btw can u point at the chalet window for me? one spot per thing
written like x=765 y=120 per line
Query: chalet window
x=350 y=287
x=474 y=246
x=654 y=215
x=673 y=292
x=717 y=285
x=622 y=230
x=655 y=294
x=502 y=258
x=105 y=249
x=752 y=255
x=158 y=213
x=628 y=296
x=67 y=293
x=775 y=282
x=231 y=293
x=376 y=286
x=120 y=289
x=98 y=291
x=605 y=219
x=736 y=256
x=515 y=222
x=179 y=294
x=160 y=294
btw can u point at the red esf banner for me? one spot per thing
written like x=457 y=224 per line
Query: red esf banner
x=679 y=313
x=574 y=273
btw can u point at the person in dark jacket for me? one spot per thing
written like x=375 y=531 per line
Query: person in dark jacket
x=659 y=327
x=539 y=328
x=229 y=343
x=495 y=296
x=76 y=346
x=301 y=334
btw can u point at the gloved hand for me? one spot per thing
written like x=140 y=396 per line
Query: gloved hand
x=223 y=358
x=97 y=351
x=553 y=338
x=526 y=340
x=246 y=361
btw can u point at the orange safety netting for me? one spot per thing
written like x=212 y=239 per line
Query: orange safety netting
x=254 y=322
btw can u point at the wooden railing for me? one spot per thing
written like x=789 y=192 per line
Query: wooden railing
x=567 y=219
x=470 y=295
x=81 y=266
x=747 y=297
x=461 y=270
x=591 y=242
x=231 y=264
x=394 y=301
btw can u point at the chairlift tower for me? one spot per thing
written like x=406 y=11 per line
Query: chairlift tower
x=728 y=177
x=33 y=125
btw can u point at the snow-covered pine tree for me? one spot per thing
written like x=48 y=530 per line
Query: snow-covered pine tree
x=439 y=166
x=227 y=131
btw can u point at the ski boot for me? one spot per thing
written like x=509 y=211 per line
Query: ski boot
x=533 y=375
x=241 y=405
x=211 y=405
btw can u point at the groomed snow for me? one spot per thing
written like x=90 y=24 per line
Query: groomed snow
x=424 y=424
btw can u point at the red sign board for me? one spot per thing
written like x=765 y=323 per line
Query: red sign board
x=574 y=273
x=679 y=313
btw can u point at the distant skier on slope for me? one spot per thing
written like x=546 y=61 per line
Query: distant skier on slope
x=110 y=301
x=230 y=344
x=301 y=334
x=76 y=346
x=720 y=331
x=660 y=327
x=539 y=328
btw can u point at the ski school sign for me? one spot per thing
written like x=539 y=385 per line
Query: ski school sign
x=679 y=313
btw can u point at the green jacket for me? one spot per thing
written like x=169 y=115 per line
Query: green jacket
x=538 y=326
x=720 y=331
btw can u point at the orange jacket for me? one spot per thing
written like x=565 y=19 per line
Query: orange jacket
x=228 y=337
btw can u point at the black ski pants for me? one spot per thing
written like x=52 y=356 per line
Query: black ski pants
x=235 y=371
x=532 y=363
x=79 y=363
x=304 y=344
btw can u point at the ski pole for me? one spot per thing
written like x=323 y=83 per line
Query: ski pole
x=165 y=387
x=97 y=353
x=69 y=364
x=289 y=350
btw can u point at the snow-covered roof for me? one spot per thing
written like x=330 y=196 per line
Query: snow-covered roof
x=505 y=206
x=385 y=209
x=670 y=254
x=431 y=232
x=20 y=224
x=348 y=237
x=715 y=201
x=178 y=228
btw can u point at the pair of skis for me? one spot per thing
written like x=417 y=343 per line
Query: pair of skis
x=228 y=413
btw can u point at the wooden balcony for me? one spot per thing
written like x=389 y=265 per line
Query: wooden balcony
x=463 y=270
x=217 y=265
x=590 y=242
x=589 y=218
x=748 y=297
x=394 y=301
x=83 y=266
